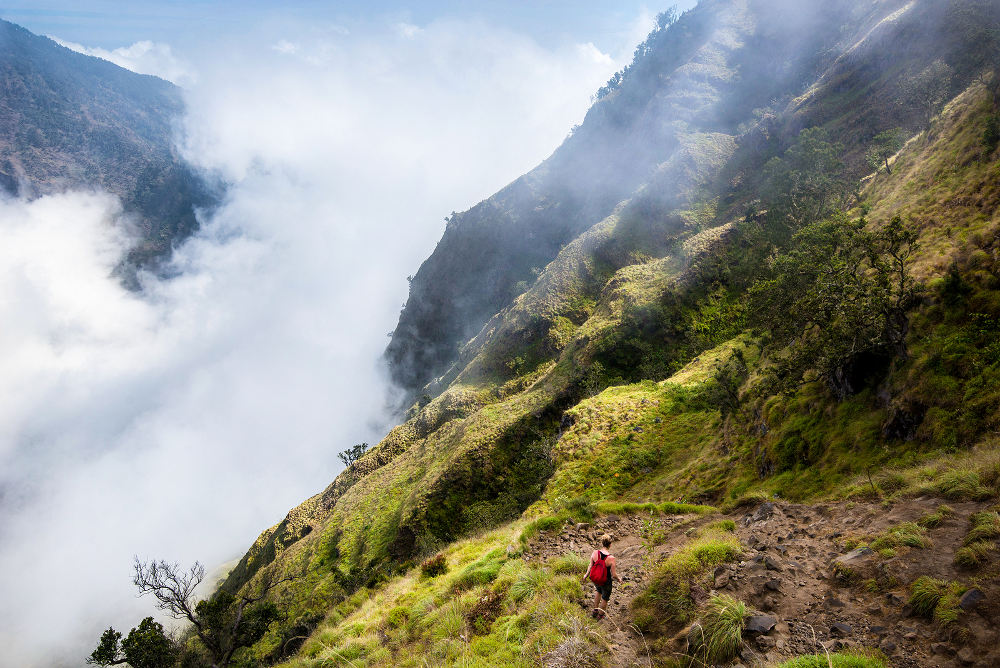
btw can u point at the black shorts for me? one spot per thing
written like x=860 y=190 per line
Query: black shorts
x=605 y=589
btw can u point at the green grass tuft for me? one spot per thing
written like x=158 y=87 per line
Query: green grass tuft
x=668 y=596
x=722 y=630
x=665 y=508
x=569 y=564
x=863 y=658
x=909 y=534
x=974 y=554
x=925 y=594
x=723 y=525
x=934 y=519
x=985 y=526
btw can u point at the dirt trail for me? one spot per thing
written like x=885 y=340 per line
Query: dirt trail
x=787 y=572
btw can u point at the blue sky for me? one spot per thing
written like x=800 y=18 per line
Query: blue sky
x=112 y=23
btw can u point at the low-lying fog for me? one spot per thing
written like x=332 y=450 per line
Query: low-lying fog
x=180 y=422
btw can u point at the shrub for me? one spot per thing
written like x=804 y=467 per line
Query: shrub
x=485 y=610
x=434 y=566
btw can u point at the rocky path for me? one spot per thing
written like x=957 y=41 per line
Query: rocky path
x=787 y=574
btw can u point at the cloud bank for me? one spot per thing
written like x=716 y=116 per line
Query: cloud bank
x=180 y=422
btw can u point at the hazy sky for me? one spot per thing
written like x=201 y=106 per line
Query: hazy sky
x=180 y=422
x=111 y=23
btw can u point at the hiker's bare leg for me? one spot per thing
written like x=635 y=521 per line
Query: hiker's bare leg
x=604 y=607
x=597 y=600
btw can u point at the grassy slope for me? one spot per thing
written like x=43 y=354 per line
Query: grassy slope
x=655 y=441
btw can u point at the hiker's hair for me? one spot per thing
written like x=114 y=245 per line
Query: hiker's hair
x=606 y=540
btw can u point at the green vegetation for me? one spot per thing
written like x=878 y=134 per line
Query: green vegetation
x=975 y=554
x=667 y=600
x=932 y=520
x=721 y=630
x=862 y=658
x=936 y=599
x=983 y=526
x=763 y=330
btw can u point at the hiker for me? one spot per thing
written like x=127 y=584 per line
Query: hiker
x=602 y=572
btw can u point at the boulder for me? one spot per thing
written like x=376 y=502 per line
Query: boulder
x=971 y=599
x=841 y=629
x=760 y=624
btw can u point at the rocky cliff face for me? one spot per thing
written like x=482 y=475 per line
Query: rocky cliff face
x=73 y=121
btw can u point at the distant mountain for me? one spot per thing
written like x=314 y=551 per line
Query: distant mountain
x=73 y=121
x=722 y=68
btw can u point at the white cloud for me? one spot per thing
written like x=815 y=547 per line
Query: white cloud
x=143 y=57
x=180 y=423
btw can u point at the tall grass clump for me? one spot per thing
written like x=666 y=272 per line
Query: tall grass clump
x=936 y=599
x=925 y=594
x=722 y=627
x=983 y=526
x=974 y=554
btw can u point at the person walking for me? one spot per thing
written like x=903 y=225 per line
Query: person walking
x=602 y=571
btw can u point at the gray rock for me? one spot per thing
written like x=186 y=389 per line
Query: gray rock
x=966 y=656
x=858 y=555
x=841 y=629
x=695 y=636
x=878 y=630
x=774 y=584
x=943 y=649
x=887 y=646
x=764 y=512
x=760 y=624
x=772 y=564
x=971 y=599
x=766 y=642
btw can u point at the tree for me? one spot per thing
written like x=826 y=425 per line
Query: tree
x=223 y=623
x=836 y=304
x=884 y=146
x=807 y=183
x=928 y=89
x=146 y=646
x=353 y=454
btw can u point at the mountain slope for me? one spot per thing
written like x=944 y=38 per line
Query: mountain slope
x=738 y=316
x=73 y=121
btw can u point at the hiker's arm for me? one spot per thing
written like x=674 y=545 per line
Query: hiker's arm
x=587 y=574
x=614 y=570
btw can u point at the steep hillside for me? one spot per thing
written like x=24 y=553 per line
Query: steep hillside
x=747 y=313
x=74 y=121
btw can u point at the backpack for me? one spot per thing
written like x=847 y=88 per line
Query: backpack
x=599 y=569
